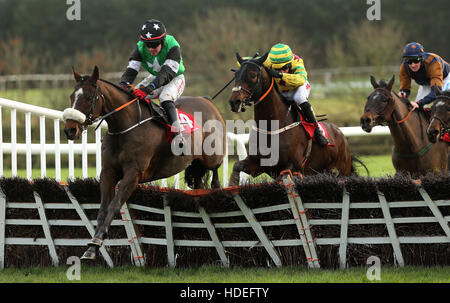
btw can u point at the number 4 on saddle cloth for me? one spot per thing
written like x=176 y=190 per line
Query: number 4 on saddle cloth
x=186 y=120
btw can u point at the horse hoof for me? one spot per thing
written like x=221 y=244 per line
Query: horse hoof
x=89 y=255
x=95 y=242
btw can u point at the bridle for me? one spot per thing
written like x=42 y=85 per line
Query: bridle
x=444 y=126
x=255 y=90
x=388 y=109
x=90 y=113
x=386 y=112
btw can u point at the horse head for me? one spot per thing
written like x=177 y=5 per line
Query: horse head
x=84 y=105
x=248 y=82
x=379 y=105
x=440 y=111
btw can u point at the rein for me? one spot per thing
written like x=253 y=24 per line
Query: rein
x=101 y=118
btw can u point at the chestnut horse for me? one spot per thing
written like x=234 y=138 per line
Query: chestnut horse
x=296 y=152
x=412 y=151
x=136 y=149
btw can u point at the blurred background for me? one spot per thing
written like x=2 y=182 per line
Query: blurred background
x=339 y=45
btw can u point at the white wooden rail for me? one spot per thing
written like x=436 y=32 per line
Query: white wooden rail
x=294 y=204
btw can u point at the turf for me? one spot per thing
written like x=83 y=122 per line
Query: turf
x=216 y=274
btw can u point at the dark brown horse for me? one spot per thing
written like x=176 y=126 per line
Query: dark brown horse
x=412 y=152
x=288 y=139
x=136 y=148
x=440 y=121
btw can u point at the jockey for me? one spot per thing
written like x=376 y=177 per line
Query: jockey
x=290 y=75
x=159 y=54
x=427 y=69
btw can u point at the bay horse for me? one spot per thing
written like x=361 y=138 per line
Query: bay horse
x=412 y=151
x=440 y=119
x=136 y=148
x=296 y=152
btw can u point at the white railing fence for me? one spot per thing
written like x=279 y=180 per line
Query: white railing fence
x=90 y=149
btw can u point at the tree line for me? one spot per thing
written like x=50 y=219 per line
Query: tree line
x=37 y=37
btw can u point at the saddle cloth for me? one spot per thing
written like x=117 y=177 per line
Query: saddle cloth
x=310 y=127
x=186 y=120
x=446 y=138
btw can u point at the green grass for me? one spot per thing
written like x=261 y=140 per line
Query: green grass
x=216 y=274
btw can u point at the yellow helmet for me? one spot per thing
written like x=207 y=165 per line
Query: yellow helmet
x=280 y=55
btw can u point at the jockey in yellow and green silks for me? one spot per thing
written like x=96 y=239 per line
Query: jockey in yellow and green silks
x=290 y=74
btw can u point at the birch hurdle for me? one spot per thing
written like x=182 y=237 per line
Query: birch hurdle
x=241 y=219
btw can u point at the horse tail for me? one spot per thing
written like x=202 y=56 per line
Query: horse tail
x=355 y=160
x=196 y=175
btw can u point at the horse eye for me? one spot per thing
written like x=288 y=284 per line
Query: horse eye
x=253 y=75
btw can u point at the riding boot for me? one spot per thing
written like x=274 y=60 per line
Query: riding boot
x=172 y=115
x=311 y=118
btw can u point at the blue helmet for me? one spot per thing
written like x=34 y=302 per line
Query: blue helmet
x=413 y=50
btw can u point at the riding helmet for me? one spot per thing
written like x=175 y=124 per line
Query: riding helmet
x=153 y=31
x=413 y=50
x=280 y=55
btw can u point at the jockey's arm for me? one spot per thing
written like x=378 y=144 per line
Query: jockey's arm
x=297 y=78
x=134 y=65
x=434 y=72
x=405 y=82
x=169 y=69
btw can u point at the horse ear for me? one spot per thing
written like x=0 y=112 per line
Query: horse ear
x=76 y=75
x=95 y=76
x=261 y=60
x=239 y=58
x=374 y=82
x=437 y=90
x=391 y=83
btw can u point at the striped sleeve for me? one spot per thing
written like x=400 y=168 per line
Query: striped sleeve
x=298 y=76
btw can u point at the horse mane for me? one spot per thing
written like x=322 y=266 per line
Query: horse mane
x=118 y=87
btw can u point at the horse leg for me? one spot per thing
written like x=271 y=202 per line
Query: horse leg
x=126 y=187
x=215 y=183
x=247 y=166
x=108 y=181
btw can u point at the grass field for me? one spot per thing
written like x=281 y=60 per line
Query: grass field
x=217 y=274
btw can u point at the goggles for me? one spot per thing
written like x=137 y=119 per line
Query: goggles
x=413 y=60
x=284 y=67
x=152 y=44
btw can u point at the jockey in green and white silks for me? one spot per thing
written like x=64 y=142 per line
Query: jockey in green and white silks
x=159 y=54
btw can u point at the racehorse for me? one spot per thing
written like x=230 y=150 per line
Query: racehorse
x=412 y=151
x=136 y=148
x=440 y=120
x=295 y=148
